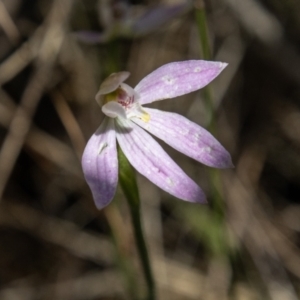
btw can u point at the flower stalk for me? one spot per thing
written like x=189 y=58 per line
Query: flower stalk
x=128 y=183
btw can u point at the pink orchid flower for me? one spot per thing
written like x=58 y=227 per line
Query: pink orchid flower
x=128 y=122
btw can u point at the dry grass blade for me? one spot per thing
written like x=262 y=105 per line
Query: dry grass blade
x=70 y=123
x=19 y=127
x=8 y=24
x=60 y=232
x=84 y=287
x=42 y=143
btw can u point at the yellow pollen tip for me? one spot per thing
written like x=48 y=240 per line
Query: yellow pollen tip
x=145 y=117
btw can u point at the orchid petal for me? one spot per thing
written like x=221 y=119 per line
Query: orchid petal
x=111 y=83
x=100 y=164
x=113 y=109
x=149 y=159
x=186 y=137
x=177 y=78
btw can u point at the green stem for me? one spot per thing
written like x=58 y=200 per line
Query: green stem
x=202 y=29
x=122 y=258
x=136 y=220
x=217 y=203
x=130 y=188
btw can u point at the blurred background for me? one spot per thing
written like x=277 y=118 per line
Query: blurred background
x=54 y=243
